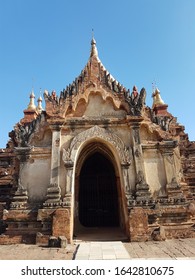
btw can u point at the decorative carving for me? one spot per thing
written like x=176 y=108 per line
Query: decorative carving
x=23 y=153
x=136 y=101
x=115 y=114
x=136 y=135
x=162 y=121
x=22 y=133
x=170 y=158
x=142 y=188
x=20 y=198
x=140 y=178
x=109 y=81
x=51 y=97
x=101 y=133
x=126 y=178
x=115 y=86
x=53 y=196
x=94 y=77
x=57 y=142
x=137 y=153
x=67 y=201
x=66 y=157
x=127 y=155
x=174 y=189
x=142 y=98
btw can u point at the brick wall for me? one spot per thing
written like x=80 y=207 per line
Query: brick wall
x=61 y=225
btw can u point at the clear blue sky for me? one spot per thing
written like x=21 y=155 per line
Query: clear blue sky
x=45 y=44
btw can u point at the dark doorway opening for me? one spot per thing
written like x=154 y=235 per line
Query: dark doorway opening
x=98 y=198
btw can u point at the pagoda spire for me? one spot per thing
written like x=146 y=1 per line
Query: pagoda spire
x=159 y=107
x=94 y=51
x=30 y=113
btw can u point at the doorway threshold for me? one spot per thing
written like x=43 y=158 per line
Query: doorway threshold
x=100 y=234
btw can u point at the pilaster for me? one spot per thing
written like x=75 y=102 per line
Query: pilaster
x=54 y=190
x=68 y=163
x=142 y=188
x=128 y=192
x=20 y=198
x=173 y=187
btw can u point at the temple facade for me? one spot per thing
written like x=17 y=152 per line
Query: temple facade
x=97 y=157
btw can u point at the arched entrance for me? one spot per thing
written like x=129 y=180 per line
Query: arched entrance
x=98 y=195
x=99 y=212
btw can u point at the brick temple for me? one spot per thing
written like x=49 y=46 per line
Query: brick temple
x=97 y=157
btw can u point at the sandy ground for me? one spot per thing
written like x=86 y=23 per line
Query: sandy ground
x=169 y=249
x=34 y=252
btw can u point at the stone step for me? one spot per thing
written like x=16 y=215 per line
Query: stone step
x=113 y=250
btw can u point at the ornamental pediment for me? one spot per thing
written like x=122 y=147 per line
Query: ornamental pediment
x=94 y=79
x=97 y=133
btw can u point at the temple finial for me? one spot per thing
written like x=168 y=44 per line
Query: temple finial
x=39 y=107
x=31 y=105
x=157 y=100
x=94 y=51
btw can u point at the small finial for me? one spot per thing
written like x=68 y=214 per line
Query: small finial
x=157 y=100
x=39 y=106
x=31 y=105
x=94 y=51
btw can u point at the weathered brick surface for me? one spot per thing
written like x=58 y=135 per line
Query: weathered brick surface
x=17 y=238
x=61 y=224
x=42 y=239
x=175 y=221
x=6 y=239
x=138 y=224
x=45 y=214
x=20 y=215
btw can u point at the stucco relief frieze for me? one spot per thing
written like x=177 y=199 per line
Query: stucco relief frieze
x=136 y=135
x=66 y=155
x=169 y=158
x=102 y=134
x=137 y=153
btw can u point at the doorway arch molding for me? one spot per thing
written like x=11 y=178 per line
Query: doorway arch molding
x=92 y=147
x=98 y=133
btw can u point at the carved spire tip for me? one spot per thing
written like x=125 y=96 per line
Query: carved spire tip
x=94 y=51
